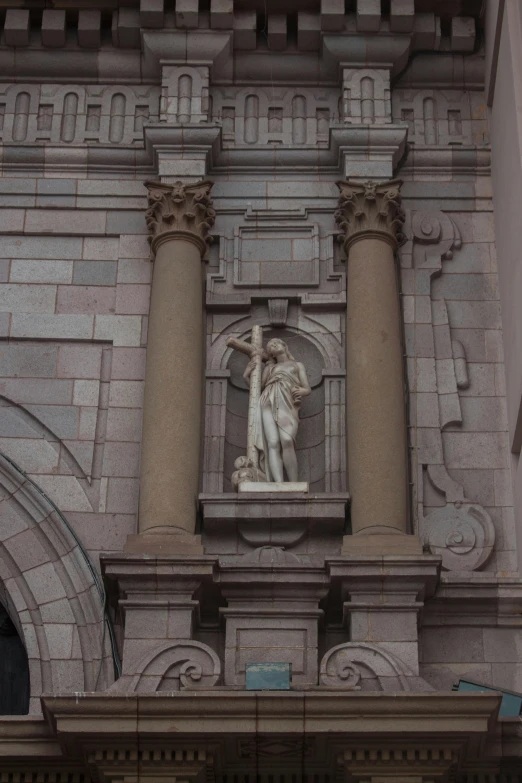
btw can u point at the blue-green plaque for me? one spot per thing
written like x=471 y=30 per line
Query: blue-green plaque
x=268 y=676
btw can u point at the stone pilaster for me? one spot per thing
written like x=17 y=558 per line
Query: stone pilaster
x=179 y=218
x=371 y=218
x=157 y=598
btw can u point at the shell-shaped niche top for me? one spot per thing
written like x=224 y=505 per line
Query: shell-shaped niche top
x=271 y=555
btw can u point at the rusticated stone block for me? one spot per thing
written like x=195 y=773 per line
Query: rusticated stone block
x=97 y=249
x=245 y=35
x=16 y=27
x=59 y=327
x=427 y=31
x=121 y=329
x=126 y=28
x=122 y=495
x=89 y=24
x=53 y=28
x=79 y=361
x=463 y=33
x=187 y=13
x=94 y=273
x=124 y=424
x=41 y=247
x=128 y=363
x=121 y=460
x=308 y=31
x=277 y=31
x=28 y=298
x=151 y=13
x=221 y=14
x=134 y=270
x=368 y=15
x=332 y=15
x=85 y=299
x=132 y=299
x=402 y=15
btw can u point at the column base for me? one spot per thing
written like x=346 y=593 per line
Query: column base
x=164 y=544
x=380 y=543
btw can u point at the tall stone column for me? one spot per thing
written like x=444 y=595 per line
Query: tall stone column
x=371 y=219
x=179 y=218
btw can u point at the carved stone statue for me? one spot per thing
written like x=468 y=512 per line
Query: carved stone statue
x=277 y=385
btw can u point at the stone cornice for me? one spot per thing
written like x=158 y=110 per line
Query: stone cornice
x=368 y=210
x=182 y=731
x=159 y=36
x=179 y=210
x=217 y=712
x=347 y=144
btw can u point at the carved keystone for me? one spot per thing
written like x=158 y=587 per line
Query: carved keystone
x=370 y=209
x=179 y=210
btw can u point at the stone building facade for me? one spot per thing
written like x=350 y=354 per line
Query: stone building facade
x=174 y=174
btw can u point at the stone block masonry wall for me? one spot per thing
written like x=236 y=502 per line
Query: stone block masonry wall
x=76 y=284
x=75 y=296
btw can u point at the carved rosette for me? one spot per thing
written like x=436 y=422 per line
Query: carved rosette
x=370 y=209
x=183 y=210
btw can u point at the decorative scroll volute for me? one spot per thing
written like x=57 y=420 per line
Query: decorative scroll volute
x=180 y=209
x=370 y=209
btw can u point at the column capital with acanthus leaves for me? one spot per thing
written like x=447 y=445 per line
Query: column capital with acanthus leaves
x=179 y=210
x=370 y=210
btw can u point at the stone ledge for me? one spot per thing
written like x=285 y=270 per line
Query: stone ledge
x=295 y=506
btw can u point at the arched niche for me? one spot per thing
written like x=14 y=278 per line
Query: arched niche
x=313 y=339
x=311 y=433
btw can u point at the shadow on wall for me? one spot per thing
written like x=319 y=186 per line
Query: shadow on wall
x=310 y=436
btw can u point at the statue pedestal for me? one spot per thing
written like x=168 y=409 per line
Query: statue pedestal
x=236 y=523
x=273 y=486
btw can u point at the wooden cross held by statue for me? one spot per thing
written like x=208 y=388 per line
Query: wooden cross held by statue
x=252 y=349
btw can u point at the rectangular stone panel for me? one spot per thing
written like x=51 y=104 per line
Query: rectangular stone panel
x=267 y=257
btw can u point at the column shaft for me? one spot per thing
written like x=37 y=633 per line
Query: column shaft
x=371 y=218
x=179 y=218
x=375 y=420
x=173 y=391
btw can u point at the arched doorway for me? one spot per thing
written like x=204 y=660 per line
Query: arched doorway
x=14 y=669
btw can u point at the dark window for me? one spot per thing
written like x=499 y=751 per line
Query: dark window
x=14 y=669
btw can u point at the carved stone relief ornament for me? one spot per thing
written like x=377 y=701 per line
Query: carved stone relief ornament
x=348 y=665
x=181 y=209
x=174 y=665
x=462 y=531
x=277 y=384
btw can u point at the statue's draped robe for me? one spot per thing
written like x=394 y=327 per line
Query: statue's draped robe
x=277 y=393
